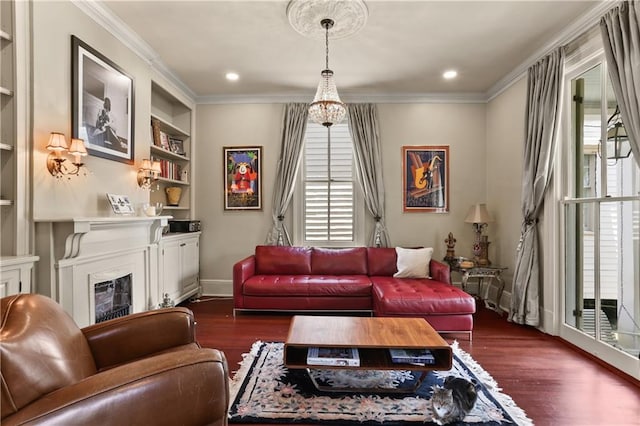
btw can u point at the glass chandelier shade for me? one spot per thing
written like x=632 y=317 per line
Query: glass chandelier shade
x=327 y=108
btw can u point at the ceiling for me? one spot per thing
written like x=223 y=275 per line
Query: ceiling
x=402 y=50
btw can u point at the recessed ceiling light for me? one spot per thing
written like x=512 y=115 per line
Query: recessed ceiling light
x=450 y=74
x=232 y=76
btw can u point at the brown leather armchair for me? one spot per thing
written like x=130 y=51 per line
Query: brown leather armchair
x=142 y=369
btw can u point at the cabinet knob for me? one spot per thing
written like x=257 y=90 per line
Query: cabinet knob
x=183 y=244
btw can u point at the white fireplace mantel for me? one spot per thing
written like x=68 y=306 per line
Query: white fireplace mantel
x=73 y=251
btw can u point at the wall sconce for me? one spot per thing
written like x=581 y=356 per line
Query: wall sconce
x=56 y=160
x=148 y=173
x=479 y=216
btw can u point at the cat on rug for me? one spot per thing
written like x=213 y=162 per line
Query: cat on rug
x=453 y=401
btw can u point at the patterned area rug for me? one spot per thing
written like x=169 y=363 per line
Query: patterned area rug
x=263 y=390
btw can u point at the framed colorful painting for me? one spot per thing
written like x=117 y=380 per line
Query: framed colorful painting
x=425 y=179
x=243 y=178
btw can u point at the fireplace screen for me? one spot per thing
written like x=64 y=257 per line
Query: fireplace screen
x=113 y=298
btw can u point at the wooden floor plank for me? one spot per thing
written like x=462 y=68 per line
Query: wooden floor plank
x=555 y=383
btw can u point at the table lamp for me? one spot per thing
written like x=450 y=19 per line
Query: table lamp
x=479 y=217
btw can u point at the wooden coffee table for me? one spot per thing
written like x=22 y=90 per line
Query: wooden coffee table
x=372 y=336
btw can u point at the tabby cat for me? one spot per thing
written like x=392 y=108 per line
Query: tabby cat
x=452 y=401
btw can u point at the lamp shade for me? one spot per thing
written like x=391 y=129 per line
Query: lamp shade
x=155 y=167
x=146 y=165
x=57 y=142
x=77 y=147
x=327 y=108
x=478 y=214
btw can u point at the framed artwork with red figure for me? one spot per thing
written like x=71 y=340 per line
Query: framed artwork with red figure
x=243 y=178
x=425 y=178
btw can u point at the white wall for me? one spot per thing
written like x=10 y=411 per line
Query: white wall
x=505 y=141
x=80 y=196
x=462 y=127
x=229 y=236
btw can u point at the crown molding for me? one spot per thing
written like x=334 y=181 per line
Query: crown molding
x=97 y=11
x=571 y=32
x=425 y=98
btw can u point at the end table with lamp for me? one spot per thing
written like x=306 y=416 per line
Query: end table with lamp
x=483 y=274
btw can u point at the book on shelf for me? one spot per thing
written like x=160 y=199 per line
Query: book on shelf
x=412 y=356
x=333 y=356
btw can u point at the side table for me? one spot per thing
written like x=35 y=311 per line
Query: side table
x=483 y=273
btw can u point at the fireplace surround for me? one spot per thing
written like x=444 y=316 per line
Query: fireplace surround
x=78 y=253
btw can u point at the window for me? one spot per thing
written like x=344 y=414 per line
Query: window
x=325 y=193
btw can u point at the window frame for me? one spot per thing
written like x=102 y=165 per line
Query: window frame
x=299 y=210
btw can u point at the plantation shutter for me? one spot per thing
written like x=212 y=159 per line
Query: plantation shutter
x=328 y=184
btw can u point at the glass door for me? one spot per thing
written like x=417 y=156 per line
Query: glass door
x=602 y=226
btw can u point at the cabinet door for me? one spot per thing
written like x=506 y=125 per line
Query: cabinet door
x=171 y=270
x=190 y=265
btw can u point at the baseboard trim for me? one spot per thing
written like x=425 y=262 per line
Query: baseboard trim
x=219 y=288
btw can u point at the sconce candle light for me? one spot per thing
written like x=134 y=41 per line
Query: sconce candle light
x=148 y=173
x=479 y=217
x=56 y=160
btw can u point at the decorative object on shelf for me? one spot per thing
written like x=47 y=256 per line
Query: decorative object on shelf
x=55 y=160
x=173 y=195
x=618 y=145
x=167 y=302
x=148 y=173
x=120 y=204
x=243 y=178
x=425 y=179
x=152 y=209
x=479 y=217
x=451 y=249
x=102 y=104
x=176 y=146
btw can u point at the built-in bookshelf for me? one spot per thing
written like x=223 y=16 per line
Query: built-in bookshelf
x=8 y=149
x=170 y=128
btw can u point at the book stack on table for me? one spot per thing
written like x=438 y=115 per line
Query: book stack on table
x=412 y=356
x=333 y=356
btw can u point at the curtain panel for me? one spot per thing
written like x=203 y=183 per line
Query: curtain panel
x=620 y=29
x=544 y=91
x=293 y=130
x=363 y=126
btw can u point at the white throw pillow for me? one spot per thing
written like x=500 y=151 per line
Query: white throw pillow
x=413 y=263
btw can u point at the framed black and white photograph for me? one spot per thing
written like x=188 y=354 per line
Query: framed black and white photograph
x=176 y=146
x=102 y=104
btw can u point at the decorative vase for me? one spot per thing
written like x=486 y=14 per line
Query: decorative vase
x=173 y=195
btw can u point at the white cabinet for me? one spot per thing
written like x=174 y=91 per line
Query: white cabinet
x=180 y=265
x=15 y=274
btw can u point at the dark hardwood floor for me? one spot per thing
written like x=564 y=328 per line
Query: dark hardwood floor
x=555 y=383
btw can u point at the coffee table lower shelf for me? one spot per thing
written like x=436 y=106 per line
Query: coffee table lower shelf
x=370 y=359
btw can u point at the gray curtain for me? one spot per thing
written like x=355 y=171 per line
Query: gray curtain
x=293 y=130
x=363 y=126
x=620 y=30
x=544 y=91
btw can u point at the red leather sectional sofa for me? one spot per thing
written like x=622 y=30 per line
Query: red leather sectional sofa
x=294 y=279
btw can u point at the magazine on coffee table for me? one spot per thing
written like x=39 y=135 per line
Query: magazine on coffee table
x=412 y=356
x=333 y=356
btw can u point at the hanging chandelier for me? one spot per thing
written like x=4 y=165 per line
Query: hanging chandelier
x=327 y=108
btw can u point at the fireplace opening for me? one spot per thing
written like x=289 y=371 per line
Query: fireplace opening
x=113 y=298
